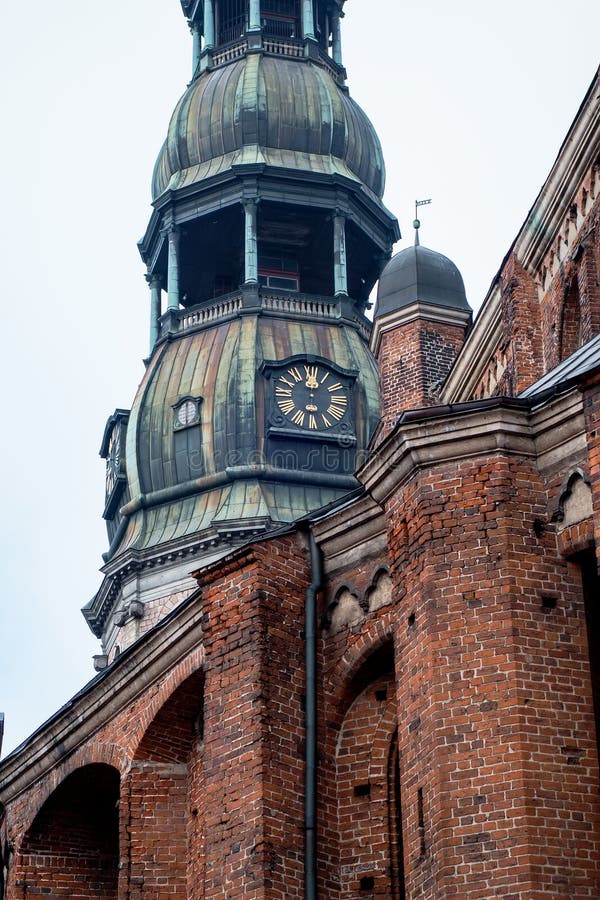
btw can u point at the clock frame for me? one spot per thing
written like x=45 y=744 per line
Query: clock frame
x=309 y=415
x=113 y=451
x=311 y=396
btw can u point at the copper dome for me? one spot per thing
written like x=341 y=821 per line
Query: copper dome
x=271 y=111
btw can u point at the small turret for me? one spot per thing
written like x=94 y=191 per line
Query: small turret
x=420 y=322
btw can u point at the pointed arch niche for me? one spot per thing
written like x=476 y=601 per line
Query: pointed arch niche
x=72 y=846
x=163 y=795
x=570 y=325
x=369 y=803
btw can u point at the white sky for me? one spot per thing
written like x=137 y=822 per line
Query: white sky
x=471 y=101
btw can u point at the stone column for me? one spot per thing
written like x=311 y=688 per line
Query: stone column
x=154 y=281
x=336 y=34
x=308 y=22
x=340 y=273
x=209 y=24
x=196 y=46
x=173 y=269
x=250 y=242
x=254 y=18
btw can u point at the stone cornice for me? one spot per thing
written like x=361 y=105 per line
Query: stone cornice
x=428 y=312
x=559 y=430
x=550 y=432
x=351 y=529
x=138 y=667
x=433 y=437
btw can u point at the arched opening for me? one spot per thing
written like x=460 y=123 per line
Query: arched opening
x=570 y=333
x=369 y=799
x=165 y=796
x=72 y=846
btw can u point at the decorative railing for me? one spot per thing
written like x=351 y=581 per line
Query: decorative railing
x=229 y=53
x=198 y=316
x=300 y=305
x=266 y=302
x=283 y=47
x=232 y=28
x=276 y=46
x=280 y=26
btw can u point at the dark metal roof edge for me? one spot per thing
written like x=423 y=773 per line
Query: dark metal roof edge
x=463 y=408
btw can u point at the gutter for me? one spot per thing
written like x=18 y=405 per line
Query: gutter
x=310 y=718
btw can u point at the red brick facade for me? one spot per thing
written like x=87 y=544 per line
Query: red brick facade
x=414 y=360
x=458 y=648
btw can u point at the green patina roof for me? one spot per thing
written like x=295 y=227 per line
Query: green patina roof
x=283 y=113
x=221 y=365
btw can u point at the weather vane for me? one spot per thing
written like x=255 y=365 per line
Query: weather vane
x=417 y=223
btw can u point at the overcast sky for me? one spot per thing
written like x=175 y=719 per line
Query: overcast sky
x=471 y=101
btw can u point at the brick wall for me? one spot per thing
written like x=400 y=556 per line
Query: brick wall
x=71 y=849
x=495 y=711
x=414 y=360
x=253 y=744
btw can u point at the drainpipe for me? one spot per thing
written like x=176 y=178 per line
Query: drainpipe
x=310 y=796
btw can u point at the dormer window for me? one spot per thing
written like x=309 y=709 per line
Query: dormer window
x=187 y=439
x=113 y=451
x=187 y=412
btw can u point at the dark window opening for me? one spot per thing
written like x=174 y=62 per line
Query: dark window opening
x=231 y=20
x=279 y=271
x=395 y=822
x=281 y=18
x=223 y=284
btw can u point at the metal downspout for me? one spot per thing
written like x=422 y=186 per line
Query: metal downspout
x=310 y=796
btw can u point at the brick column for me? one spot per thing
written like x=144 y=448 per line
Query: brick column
x=254 y=726
x=499 y=772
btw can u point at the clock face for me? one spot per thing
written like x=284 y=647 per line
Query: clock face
x=311 y=396
x=187 y=413
x=113 y=459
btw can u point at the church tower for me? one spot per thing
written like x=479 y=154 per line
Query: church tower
x=267 y=234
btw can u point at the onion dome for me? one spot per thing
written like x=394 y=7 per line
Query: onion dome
x=272 y=112
x=420 y=275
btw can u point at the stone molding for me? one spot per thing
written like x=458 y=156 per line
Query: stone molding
x=440 y=435
x=99 y=702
